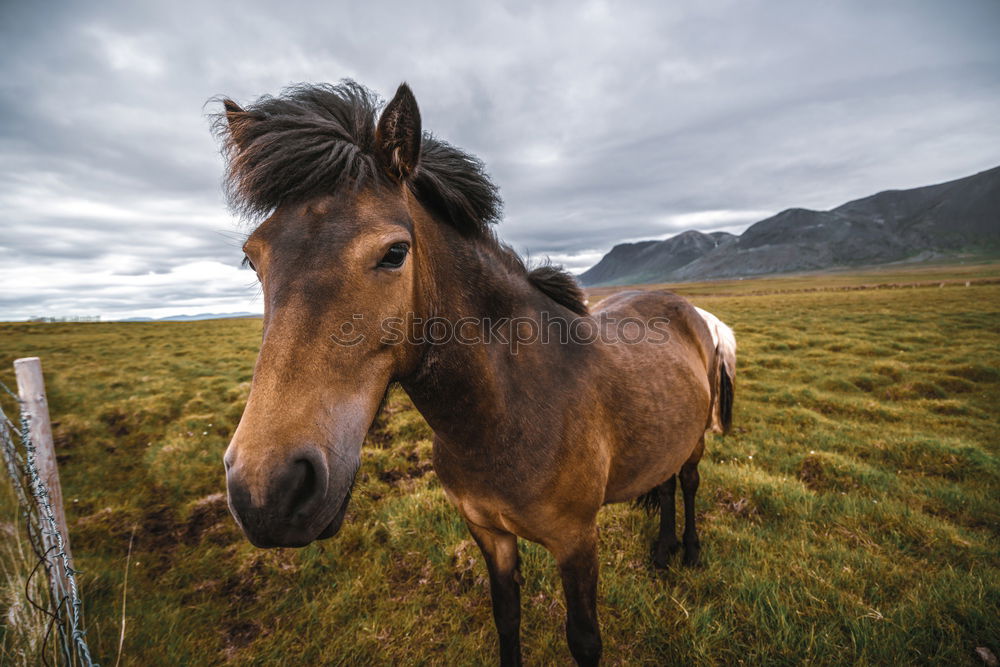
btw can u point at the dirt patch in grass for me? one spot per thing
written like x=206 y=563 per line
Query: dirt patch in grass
x=975 y=372
x=954 y=385
x=830 y=472
x=238 y=636
x=739 y=506
x=913 y=390
x=208 y=518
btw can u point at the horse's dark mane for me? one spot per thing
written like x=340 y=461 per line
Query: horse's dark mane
x=549 y=279
x=560 y=286
x=317 y=139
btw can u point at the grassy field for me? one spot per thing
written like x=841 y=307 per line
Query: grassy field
x=851 y=517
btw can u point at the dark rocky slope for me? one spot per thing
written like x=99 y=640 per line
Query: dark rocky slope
x=954 y=217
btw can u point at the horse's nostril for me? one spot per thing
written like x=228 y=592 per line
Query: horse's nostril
x=280 y=506
x=304 y=488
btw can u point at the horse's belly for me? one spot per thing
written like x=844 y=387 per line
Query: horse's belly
x=647 y=455
x=528 y=500
x=629 y=482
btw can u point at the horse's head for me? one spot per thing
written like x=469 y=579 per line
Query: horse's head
x=336 y=260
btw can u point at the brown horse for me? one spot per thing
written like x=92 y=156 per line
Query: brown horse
x=378 y=265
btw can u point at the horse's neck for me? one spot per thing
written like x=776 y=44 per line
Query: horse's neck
x=472 y=392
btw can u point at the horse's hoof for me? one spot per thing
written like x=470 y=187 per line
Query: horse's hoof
x=661 y=554
x=661 y=561
x=692 y=556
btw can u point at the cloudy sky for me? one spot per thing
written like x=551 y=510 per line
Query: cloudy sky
x=601 y=122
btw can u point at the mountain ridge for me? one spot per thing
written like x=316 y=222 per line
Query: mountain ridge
x=955 y=216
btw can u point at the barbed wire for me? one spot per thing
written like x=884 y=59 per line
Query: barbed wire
x=41 y=523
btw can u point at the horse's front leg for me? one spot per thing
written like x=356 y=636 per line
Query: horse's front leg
x=576 y=554
x=500 y=551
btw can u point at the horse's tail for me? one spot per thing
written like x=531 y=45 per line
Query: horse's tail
x=649 y=501
x=722 y=373
x=725 y=381
x=725 y=404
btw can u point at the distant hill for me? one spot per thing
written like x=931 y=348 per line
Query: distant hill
x=191 y=318
x=959 y=216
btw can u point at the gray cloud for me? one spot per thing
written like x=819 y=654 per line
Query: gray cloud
x=601 y=122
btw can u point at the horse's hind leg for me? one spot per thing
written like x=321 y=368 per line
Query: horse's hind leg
x=503 y=563
x=666 y=543
x=689 y=487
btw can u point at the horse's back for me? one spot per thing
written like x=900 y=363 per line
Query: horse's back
x=662 y=312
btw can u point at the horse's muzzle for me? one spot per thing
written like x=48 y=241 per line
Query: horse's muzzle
x=291 y=504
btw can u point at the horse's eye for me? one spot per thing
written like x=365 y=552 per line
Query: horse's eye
x=394 y=256
x=247 y=263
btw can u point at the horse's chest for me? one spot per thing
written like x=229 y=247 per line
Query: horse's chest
x=486 y=487
x=481 y=475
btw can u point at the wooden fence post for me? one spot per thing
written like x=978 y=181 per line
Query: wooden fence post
x=31 y=387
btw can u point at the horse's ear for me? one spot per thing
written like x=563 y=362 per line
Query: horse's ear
x=236 y=119
x=397 y=139
x=231 y=108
